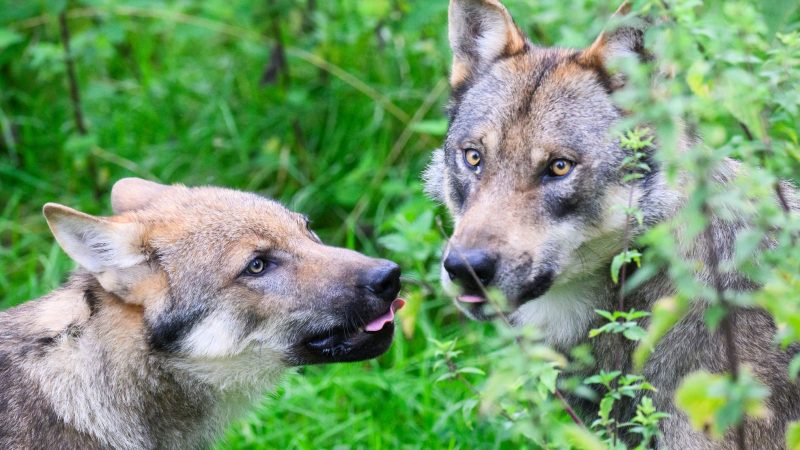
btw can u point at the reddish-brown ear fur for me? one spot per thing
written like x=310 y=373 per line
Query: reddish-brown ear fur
x=624 y=40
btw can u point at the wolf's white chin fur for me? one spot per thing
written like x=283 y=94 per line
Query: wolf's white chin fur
x=563 y=314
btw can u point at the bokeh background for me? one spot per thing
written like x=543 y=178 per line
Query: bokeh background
x=331 y=106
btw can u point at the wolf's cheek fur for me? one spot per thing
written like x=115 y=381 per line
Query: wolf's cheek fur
x=433 y=176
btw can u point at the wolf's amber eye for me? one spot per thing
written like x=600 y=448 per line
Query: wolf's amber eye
x=561 y=167
x=472 y=157
x=256 y=266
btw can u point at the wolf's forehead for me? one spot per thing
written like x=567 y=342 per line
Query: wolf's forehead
x=222 y=215
x=537 y=100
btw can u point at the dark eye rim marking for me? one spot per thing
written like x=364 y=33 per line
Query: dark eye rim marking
x=550 y=175
x=477 y=166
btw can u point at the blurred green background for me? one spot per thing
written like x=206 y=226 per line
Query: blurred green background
x=331 y=106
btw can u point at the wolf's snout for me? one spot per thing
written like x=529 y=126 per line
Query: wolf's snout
x=464 y=265
x=383 y=280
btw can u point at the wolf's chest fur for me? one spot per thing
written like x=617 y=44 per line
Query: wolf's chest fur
x=74 y=378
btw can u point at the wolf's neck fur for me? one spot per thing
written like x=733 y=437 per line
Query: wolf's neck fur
x=102 y=378
x=566 y=312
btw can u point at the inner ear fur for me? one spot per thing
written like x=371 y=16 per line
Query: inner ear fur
x=96 y=243
x=480 y=31
x=112 y=249
x=623 y=38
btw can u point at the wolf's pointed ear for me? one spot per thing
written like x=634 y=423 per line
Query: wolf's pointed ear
x=97 y=244
x=624 y=38
x=480 y=31
x=129 y=194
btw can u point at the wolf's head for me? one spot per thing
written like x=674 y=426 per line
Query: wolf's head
x=529 y=168
x=218 y=273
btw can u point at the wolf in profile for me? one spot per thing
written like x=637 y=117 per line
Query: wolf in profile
x=532 y=177
x=188 y=305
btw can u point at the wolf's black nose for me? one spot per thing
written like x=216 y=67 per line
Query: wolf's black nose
x=461 y=264
x=384 y=280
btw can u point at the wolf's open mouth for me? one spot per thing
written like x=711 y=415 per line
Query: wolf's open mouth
x=354 y=344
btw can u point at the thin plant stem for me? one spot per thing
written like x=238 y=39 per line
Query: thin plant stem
x=75 y=98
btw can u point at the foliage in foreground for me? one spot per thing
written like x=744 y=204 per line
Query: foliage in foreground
x=333 y=107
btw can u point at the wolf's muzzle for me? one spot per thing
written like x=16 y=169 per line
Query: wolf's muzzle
x=383 y=281
x=367 y=321
x=472 y=269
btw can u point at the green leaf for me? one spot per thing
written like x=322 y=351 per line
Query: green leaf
x=634 y=333
x=699 y=394
x=606 y=314
x=471 y=370
x=794 y=367
x=548 y=380
x=445 y=377
x=714 y=315
x=777 y=12
x=374 y=8
x=793 y=436
x=605 y=408
x=581 y=438
x=8 y=37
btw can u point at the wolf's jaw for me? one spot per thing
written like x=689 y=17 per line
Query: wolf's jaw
x=564 y=314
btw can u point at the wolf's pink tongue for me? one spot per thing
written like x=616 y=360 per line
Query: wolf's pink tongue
x=380 y=322
x=471 y=299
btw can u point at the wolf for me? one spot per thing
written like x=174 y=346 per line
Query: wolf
x=532 y=177
x=187 y=305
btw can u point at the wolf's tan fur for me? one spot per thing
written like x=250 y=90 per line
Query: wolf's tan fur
x=161 y=337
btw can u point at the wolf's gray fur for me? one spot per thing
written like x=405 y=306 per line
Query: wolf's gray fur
x=548 y=240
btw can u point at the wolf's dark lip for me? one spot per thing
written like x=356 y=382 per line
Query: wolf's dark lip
x=537 y=287
x=342 y=344
x=479 y=308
